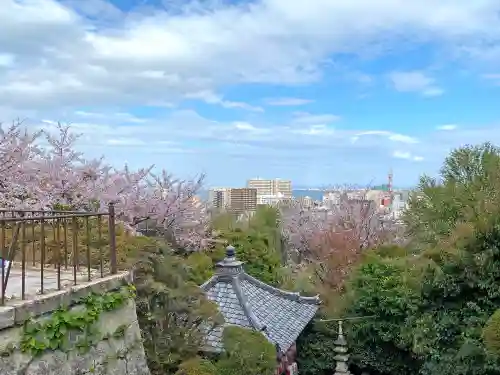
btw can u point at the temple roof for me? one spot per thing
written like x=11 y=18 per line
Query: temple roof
x=247 y=302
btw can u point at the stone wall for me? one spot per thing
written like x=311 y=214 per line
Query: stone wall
x=89 y=329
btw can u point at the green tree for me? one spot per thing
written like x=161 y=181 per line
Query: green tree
x=315 y=355
x=431 y=305
x=257 y=242
x=173 y=313
x=466 y=193
x=253 y=248
x=247 y=352
x=200 y=267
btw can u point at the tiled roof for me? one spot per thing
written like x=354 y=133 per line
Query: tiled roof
x=247 y=302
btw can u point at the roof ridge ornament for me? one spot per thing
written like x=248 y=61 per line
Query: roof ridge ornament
x=230 y=266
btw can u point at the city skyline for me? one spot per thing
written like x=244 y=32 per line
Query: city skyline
x=328 y=92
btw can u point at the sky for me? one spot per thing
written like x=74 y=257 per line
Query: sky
x=320 y=91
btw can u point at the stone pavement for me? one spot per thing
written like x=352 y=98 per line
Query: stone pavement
x=33 y=281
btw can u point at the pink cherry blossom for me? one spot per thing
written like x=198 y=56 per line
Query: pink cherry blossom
x=35 y=177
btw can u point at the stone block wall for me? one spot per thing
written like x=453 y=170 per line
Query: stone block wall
x=89 y=329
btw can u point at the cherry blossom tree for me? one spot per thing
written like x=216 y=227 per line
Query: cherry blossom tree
x=57 y=176
x=17 y=154
x=64 y=178
x=333 y=239
x=168 y=204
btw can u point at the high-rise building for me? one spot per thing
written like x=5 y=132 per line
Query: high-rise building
x=220 y=197
x=242 y=200
x=237 y=200
x=275 y=187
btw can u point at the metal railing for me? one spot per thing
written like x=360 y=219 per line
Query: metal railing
x=38 y=248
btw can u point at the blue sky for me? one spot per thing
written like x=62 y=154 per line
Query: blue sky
x=320 y=92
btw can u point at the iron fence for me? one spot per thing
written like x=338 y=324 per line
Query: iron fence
x=45 y=250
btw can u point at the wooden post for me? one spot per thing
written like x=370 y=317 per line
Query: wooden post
x=112 y=239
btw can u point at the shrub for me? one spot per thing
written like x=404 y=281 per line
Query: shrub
x=491 y=333
x=247 y=352
x=200 y=267
x=197 y=366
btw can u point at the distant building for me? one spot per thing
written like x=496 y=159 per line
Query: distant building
x=306 y=202
x=356 y=194
x=238 y=200
x=273 y=187
x=243 y=200
x=331 y=198
x=399 y=205
x=220 y=197
x=270 y=199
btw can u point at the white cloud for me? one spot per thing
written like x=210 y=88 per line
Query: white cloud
x=310 y=118
x=130 y=142
x=204 y=145
x=287 y=102
x=315 y=130
x=119 y=129
x=447 y=127
x=156 y=57
x=245 y=126
x=415 y=81
x=212 y=98
x=395 y=137
x=406 y=155
x=69 y=59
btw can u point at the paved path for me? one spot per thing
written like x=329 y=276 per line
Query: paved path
x=33 y=281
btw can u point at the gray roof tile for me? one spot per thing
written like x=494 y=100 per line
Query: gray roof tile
x=247 y=302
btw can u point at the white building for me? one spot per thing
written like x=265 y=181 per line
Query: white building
x=270 y=199
x=271 y=187
x=398 y=206
x=331 y=198
x=220 y=197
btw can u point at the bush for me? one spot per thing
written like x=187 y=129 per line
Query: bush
x=315 y=349
x=200 y=267
x=246 y=352
x=253 y=247
x=491 y=333
x=197 y=366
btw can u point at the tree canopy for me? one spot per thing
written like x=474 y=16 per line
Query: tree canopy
x=431 y=303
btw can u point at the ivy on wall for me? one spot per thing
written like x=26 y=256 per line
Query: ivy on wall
x=72 y=329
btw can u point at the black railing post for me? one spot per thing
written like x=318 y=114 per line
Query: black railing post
x=112 y=238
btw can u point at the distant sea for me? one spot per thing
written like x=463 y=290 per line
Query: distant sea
x=316 y=195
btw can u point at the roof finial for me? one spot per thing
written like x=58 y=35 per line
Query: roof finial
x=341 y=349
x=230 y=251
x=230 y=265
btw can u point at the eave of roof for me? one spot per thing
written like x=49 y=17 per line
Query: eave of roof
x=243 y=301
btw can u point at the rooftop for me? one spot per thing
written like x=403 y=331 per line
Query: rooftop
x=247 y=302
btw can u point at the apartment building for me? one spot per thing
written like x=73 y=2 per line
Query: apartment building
x=237 y=200
x=275 y=187
x=220 y=197
x=243 y=200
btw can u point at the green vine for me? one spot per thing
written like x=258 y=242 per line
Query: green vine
x=66 y=328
